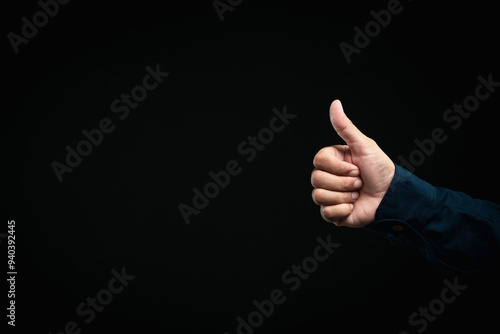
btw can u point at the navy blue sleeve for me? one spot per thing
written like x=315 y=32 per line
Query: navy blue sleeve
x=454 y=232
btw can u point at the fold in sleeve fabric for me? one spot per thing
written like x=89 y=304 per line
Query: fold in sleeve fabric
x=454 y=232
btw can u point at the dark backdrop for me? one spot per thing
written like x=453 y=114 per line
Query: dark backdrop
x=119 y=207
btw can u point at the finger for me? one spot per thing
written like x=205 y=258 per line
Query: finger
x=327 y=159
x=336 y=213
x=328 y=181
x=344 y=127
x=327 y=197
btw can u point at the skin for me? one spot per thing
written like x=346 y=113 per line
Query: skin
x=350 y=180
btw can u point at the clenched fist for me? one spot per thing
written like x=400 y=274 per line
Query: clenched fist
x=350 y=180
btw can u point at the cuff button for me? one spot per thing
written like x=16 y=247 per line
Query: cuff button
x=397 y=228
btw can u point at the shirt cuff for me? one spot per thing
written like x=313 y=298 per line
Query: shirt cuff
x=403 y=215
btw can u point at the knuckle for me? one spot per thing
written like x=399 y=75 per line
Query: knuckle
x=319 y=196
x=315 y=196
x=316 y=160
x=316 y=178
x=320 y=157
x=332 y=213
x=327 y=213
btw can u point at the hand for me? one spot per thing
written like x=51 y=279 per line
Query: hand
x=350 y=180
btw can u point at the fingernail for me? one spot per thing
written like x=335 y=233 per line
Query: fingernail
x=355 y=195
x=358 y=183
x=354 y=172
x=352 y=206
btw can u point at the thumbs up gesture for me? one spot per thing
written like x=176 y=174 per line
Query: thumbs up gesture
x=350 y=180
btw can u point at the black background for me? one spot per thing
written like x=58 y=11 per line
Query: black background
x=119 y=208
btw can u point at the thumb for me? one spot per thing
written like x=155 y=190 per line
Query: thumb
x=344 y=127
